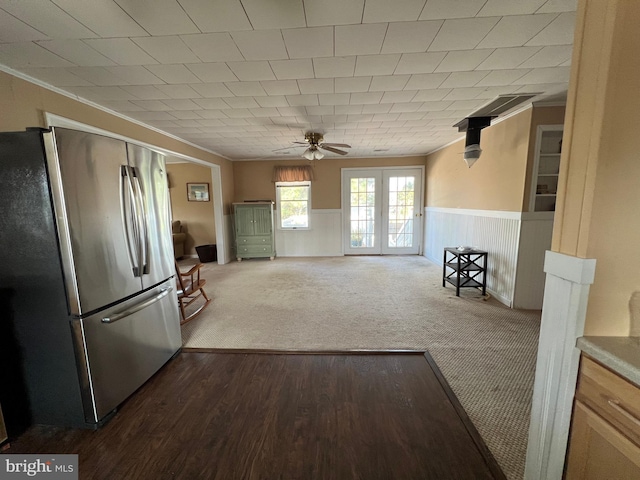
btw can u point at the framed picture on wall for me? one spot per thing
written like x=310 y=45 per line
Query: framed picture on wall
x=198 y=192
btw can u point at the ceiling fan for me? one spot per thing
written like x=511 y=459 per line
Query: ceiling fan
x=314 y=142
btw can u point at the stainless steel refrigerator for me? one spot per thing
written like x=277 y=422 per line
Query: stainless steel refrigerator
x=86 y=271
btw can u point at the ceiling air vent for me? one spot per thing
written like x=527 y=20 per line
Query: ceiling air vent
x=502 y=104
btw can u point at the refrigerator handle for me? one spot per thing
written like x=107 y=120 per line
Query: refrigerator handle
x=143 y=225
x=137 y=307
x=129 y=219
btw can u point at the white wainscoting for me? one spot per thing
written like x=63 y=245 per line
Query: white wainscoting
x=324 y=239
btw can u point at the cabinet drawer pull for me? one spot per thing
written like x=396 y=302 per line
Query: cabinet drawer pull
x=623 y=411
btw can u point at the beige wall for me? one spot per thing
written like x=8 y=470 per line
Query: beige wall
x=501 y=178
x=197 y=218
x=600 y=196
x=253 y=179
x=23 y=104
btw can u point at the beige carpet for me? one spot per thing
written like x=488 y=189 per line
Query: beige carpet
x=486 y=351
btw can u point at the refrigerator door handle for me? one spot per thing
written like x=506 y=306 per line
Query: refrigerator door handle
x=137 y=307
x=129 y=221
x=143 y=225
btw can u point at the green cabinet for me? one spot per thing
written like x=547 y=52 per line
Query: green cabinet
x=254 y=230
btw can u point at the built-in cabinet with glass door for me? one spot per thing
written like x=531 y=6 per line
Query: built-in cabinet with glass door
x=254 y=230
x=546 y=168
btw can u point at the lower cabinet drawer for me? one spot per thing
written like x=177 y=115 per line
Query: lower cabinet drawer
x=255 y=240
x=610 y=396
x=266 y=250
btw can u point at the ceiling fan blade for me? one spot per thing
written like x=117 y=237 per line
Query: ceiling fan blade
x=343 y=145
x=331 y=149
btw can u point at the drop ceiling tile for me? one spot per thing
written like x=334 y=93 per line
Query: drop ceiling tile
x=134 y=75
x=352 y=84
x=309 y=42
x=360 y=118
x=281 y=14
x=334 y=99
x=213 y=47
x=320 y=110
x=333 y=12
x=122 y=106
x=507 y=58
x=212 y=90
x=238 y=112
x=366 y=98
x=411 y=116
x=292 y=69
x=105 y=18
x=261 y=44
x=209 y=114
x=145 y=92
x=470 y=93
x=292 y=111
x=27 y=54
x=367 y=65
x=252 y=71
x=462 y=34
x=212 y=103
x=217 y=15
x=76 y=52
x=178 y=91
x=316 y=85
x=59 y=77
x=376 y=11
x=425 y=81
x=493 y=92
x=302 y=100
x=549 y=57
x=410 y=37
x=508 y=7
x=102 y=93
x=159 y=17
x=241 y=102
x=419 y=62
x=334 y=67
x=121 y=50
x=463 y=79
x=558 y=32
x=558 y=6
x=281 y=87
x=212 y=72
x=348 y=109
x=182 y=104
x=187 y=119
x=14 y=30
x=441 y=9
x=463 y=60
x=246 y=89
x=152 y=105
x=501 y=77
x=273 y=101
x=398 y=97
x=265 y=112
x=376 y=108
x=388 y=83
x=173 y=73
x=146 y=116
x=359 y=39
x=405 y=107
x=516 y=31
x=434 y=106
x=234 y=121
x=433 y=94
x=545 y=75
x=167 y=49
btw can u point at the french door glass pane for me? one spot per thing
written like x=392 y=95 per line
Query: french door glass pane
x=401 y=204
x=363 y=191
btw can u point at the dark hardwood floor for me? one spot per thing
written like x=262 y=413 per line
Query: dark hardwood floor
x=268 y=416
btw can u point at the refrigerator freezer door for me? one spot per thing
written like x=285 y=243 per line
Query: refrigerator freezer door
x=88 y=191
x=122 y=347
x=151 y=180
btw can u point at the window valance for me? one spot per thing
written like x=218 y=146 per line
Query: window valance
x=298 y=173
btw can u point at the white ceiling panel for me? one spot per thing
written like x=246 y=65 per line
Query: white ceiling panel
x=376 y=11
x=309 y=42
x=352 y=84
x=431 y=95
x=57 y=76
x=217 y=15
x=14 y=30
x=516 y=31
x=462 y=34
x=145 y=92
x=302 y=100
x=398 y=97
x=27 y=54
x=159 y=17
x=292 y=69
x=167 y=49
x=272 y=101
x=545 y=75
x=506 y=58
x=252 y=71
x=173 y=73
x=508 y=7
x=549 y=57
x=212 y=103
x=261 y=44
x=104 y=17
x=463 y=79
x=334 y=67
x=134 y=75
x=333 y=12
x=558 y=32
x=77 y=52
x=246 y=89
x=558 y=6
x=182 y=104
x=213 y=47
x=46 y=19
x=281 y=87
x=408 y=37
x=281 y=14
x=122 y=51
x=369 y=65
x=442 y=9
x=425 y=81
x=419 y=62
x=388 y=83
x=122 y=106
x=178 y=91
x=102 y=93
x=463 y=93
x=241 y=103
x=334 y=99
x=359 y=39
x=316 y=85
x=212 y=72
x=463 y=60
x=501 y=77
x=152 y=105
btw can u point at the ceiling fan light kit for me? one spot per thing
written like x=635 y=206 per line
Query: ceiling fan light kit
x=315 y=141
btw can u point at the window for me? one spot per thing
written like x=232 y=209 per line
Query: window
x=293 y=202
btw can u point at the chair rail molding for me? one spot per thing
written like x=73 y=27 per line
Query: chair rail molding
x=566 y=292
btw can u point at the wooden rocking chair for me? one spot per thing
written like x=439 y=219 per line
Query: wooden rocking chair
x=190 y=289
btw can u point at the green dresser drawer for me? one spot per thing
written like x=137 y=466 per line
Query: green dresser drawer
x=254 y=240
x=263 y=250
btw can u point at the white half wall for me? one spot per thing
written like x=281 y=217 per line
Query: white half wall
x=323 y=239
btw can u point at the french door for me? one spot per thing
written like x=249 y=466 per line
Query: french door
x=382 y=211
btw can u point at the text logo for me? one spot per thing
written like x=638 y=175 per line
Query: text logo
x=52 y=467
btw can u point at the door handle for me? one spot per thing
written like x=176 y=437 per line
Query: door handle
x=127 y=199
x=137 y=307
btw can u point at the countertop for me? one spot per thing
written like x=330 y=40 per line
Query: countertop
x=620 y=354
